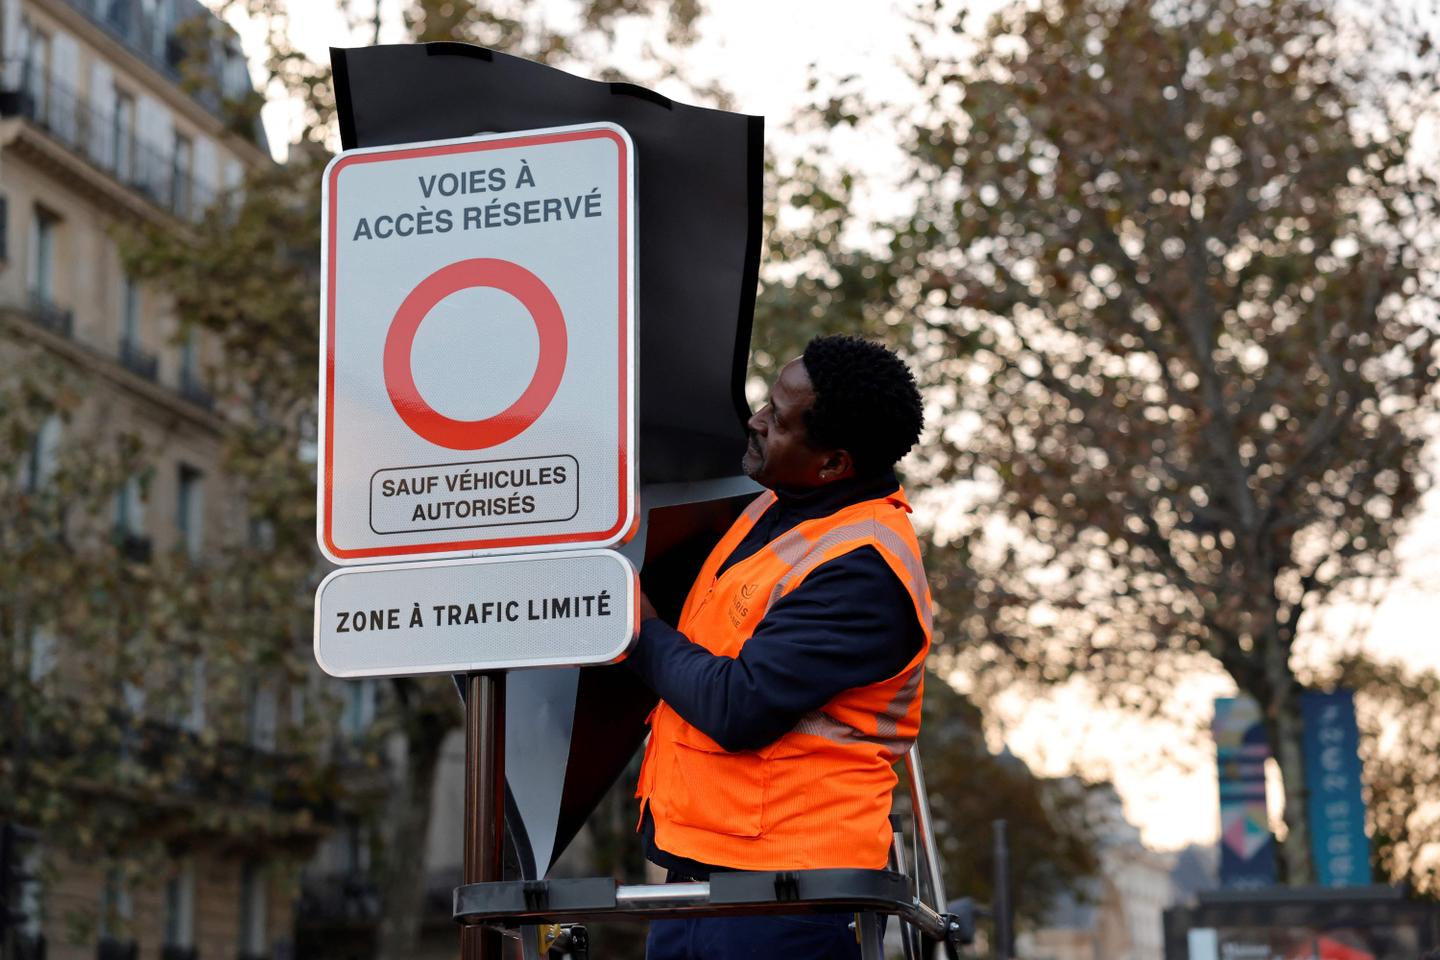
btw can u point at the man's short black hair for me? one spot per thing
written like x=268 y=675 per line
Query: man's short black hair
x=866 y=402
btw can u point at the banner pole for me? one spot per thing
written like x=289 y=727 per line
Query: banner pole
x=484 y=800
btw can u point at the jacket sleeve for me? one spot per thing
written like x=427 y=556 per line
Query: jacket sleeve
x=849 y=624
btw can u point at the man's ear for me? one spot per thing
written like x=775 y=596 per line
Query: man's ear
x=837 y=465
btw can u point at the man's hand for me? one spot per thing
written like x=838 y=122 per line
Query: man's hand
x=647 y=609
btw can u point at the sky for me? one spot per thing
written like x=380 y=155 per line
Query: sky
x=1165 y=774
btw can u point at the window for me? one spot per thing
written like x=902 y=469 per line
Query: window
x=43 y=650
x=359 y=707
x=195 y=717
x=261 y=716
x=37 y=72
x=129 y=312
x=190 y=360
x=190 y=511
x=32 y=895
x=253 y=895
x=356 y=852
x=262 y=534
x=130 y=508
x=180 y=906
x=154 y=26
x=133 y=694
x=182 y=163
x=122 y=137
x=43 y=229
x=116 y=910
x=297 y=705
x=44 y=456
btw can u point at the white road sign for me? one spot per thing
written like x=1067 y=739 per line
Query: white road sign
x=477 y=346
x=497 y=613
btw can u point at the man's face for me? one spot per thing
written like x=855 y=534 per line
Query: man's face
x=780 y=454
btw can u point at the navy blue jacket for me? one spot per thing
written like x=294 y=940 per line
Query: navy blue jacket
x=850 y=623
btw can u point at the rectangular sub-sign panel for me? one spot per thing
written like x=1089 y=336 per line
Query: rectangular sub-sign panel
x=454 y=616
x=478 y=346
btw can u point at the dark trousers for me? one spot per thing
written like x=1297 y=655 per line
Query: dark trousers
x=818 y=936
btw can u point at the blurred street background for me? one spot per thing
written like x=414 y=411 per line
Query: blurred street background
x=1165 y=269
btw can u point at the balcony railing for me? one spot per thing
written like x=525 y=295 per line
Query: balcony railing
x=50 y=315
x=133 y=546
x=209 y=773
x=29 y=947
x=108 y=949
x=332 y=897
x=196 y=392
x=74 y=120
x=158 y=40
x=140 y=362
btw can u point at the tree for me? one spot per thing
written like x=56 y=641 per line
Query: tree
x=1051 y=836
x=250 y=275
x=100 y=637
x=1400 y=730
x=1169 y=279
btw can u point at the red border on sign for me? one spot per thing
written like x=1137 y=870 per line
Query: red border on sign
x=332 y=230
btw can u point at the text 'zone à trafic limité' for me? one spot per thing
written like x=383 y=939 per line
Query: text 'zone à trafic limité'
x=565 y=607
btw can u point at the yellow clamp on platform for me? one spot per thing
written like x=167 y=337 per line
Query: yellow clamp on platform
x=548 y=933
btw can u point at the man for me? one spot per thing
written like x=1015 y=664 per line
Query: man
x=792 y=681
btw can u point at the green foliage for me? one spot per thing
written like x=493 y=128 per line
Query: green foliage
x=1053 y=846
x=100 y=643
x=1400 y=747
x=249 y=275
x=1170 y=279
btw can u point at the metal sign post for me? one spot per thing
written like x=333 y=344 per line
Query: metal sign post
x=478 y=398
x=484 y=800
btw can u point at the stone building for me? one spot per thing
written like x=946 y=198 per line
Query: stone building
x=1117 y=915
x=98 y=130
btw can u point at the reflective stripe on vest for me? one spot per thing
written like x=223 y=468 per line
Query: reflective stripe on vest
x=805 y=556
x=887 y=723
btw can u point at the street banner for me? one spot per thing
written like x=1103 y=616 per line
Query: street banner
x=1247 y=847
x=1338 y=844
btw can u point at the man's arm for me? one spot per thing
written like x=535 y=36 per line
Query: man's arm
x=850 y=623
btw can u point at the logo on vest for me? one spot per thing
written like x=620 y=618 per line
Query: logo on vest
x=740 y=607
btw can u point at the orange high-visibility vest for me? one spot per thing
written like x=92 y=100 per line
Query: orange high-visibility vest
x=820 y=795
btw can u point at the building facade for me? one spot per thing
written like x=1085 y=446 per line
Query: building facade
x=106 y=124
x=1117 y=915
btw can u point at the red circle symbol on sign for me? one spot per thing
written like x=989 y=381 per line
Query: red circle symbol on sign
x=445 y=431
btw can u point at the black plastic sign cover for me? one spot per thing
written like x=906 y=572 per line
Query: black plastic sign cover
x=699 y=199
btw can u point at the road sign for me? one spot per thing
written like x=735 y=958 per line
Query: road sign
x=477 y=346
x=496 y=613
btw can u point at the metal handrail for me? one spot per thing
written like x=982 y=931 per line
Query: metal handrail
x=196 y=392
x=73 y=119
x=137 y=360
x=924 y=826
x=159 y=42
x=50 y=315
